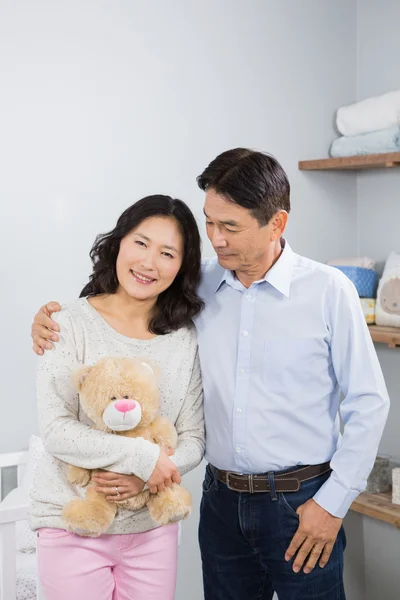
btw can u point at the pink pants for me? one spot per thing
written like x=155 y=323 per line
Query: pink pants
x=140 y=566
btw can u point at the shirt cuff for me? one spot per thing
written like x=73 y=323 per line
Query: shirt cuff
x=173 y=458
x=146 y=460
x=334 y=498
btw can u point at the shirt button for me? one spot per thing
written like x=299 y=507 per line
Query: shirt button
x=238 y=449
x=239 y=409
x=248 y=296
x=245 y=333
x=242 y=371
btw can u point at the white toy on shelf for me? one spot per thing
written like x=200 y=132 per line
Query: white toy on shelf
x=387 y=310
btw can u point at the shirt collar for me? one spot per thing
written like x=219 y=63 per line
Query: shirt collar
x=279 y=275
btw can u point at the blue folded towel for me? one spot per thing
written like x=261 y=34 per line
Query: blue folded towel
x=376 y=142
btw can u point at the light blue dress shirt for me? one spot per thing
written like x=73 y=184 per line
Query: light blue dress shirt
x=275 y=358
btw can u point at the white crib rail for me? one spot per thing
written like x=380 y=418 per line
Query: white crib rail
x=11 y=511
x=13 y=459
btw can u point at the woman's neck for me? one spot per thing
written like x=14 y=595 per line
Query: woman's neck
x=129 y=316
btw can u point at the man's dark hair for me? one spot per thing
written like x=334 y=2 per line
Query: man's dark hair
x=251 y=179
x=179 y=303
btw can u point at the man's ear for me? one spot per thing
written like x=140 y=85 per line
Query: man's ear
x=279 y=222
x=80 y=375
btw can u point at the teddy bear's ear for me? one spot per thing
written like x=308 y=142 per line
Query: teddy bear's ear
x=80 y=375
x=145 y=364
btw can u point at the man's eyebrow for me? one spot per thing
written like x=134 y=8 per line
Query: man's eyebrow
x=231 y=223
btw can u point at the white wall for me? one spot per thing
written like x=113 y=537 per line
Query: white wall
x=103 y=102
x=373 y=562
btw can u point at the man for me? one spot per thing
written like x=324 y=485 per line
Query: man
x=280 y=338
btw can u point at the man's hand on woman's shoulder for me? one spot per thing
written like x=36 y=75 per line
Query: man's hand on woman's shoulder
x=43 y=331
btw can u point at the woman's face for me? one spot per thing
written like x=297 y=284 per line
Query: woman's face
x=150 y=257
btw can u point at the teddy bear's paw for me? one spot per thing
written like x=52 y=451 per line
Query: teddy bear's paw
x=136 y=502
x=173 y=504
x=88 y=518
x=78 y=476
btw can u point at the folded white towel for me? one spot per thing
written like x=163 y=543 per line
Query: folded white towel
x=375 y=142
x=371 y=114
x=358 y=261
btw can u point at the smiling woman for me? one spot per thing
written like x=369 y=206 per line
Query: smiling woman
x=140 y=301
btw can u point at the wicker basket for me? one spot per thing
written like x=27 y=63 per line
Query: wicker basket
x=365 y=280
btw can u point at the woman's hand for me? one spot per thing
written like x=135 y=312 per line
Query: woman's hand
x=108 y=483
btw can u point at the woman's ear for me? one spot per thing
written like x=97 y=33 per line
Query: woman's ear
x=80 y=375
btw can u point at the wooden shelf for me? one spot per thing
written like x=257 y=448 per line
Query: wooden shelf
x=370 y=161
x=378 y=506
x=385 y=335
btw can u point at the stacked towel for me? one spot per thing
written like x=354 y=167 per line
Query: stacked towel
x=372 y=114
x=368 y=308
x=377 y=142
x=358 y=261
x=371 y=126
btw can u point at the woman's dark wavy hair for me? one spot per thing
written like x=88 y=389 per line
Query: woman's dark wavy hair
x=177 y=305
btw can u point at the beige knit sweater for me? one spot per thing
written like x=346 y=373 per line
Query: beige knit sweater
x=66 y=431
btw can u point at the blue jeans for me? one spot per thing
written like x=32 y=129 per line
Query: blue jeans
x=243 y=539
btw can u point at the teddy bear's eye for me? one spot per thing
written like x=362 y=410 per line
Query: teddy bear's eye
x=126 y=397
x=113 y=398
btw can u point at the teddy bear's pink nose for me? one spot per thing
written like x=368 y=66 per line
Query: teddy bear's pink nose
x=125 y=405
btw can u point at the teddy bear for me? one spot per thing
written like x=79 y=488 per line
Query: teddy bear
x=121 y=396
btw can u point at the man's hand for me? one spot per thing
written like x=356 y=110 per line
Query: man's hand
x=316 y=535
x=44 y=328
x=164 y=475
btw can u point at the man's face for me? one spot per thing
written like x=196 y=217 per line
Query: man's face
x=236 y=236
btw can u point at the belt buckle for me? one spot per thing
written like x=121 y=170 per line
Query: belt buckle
x=227 y=481
x=228 y=485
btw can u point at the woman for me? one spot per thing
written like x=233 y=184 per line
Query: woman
x=140 y=300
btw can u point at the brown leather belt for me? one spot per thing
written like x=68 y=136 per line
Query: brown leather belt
x=284 y=482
